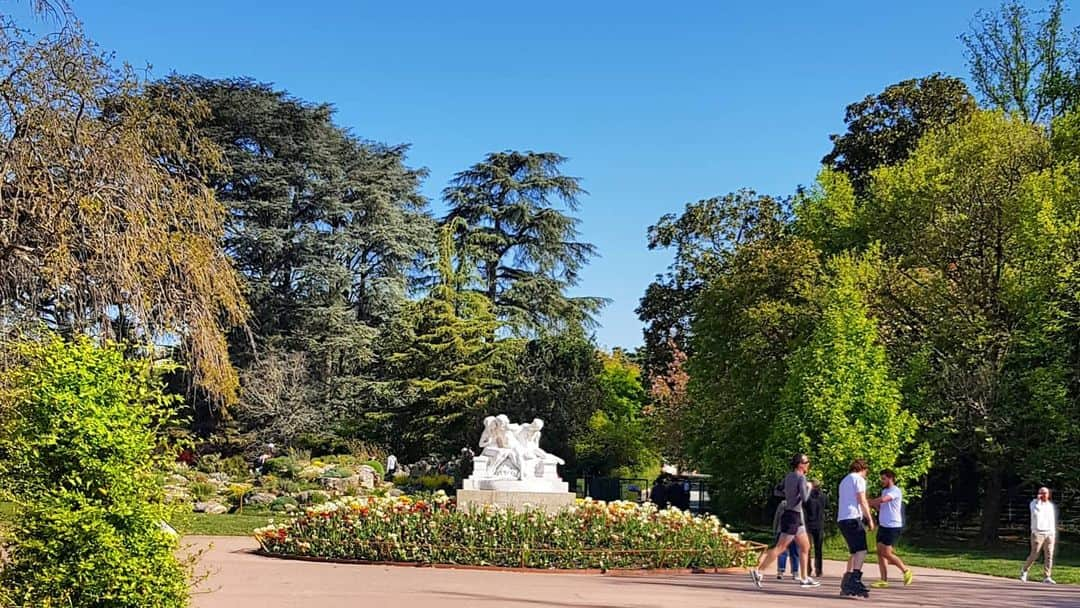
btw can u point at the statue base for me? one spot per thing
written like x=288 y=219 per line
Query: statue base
x=549 y=502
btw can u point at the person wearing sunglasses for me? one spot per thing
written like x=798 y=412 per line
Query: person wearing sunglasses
x=792 y=528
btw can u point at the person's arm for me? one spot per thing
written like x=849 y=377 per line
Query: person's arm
x=865 y=507
x=1034 y=517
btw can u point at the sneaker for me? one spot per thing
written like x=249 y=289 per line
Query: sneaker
x=809 y=582
x=908 y=575
x=1049 y=581
x=1023 y=576
x=880 y=584
x=794 y=577
x=756 y=577
x=779 y=576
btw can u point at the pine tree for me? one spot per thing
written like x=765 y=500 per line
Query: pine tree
x=449 y=367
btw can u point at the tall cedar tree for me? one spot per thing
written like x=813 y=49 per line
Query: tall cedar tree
x=524 y=246
x=324 y=227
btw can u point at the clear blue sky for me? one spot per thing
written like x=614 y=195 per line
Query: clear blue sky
x=656 y=104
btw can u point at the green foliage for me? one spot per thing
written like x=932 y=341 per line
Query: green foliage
x=883 y=129
x=449 y=364
x=839 y=402
x=282 y=466
x=338 y=473
x=525 y=248
x=617 y=441
x=1017 y=65
x=380 y=470
x=236 y=467
x=282 y=503
x=202 y=491
x=79 y=439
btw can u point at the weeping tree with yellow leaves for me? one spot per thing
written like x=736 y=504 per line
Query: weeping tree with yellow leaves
x=106 y=226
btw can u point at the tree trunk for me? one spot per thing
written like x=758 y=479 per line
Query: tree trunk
x=991 y=514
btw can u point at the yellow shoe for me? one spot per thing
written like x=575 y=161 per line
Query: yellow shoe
x=880 y=585
x=908 y=575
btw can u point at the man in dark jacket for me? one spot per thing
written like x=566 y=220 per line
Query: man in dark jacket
x=814 y=512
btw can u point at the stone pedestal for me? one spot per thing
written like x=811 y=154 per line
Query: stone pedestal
x=550 y=502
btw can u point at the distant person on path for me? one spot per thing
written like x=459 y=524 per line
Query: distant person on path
x=1043 y=535
x=890 y=524
x=814 y=513
x=796 y=491
x=391 y=466
x=659 y=493
x=793 y=549
x=853 y=517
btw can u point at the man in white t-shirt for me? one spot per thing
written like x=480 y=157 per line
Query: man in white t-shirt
x=853 y=516
x=890 y=507
x=1043 y=535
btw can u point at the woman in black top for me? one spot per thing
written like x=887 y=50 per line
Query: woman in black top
x=814 y=515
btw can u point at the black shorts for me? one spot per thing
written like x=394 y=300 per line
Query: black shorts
x=854 y=533
x=790 y=523
x=888 y=536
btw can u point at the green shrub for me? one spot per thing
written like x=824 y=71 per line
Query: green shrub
x=280 y=503
x=338 y=473
x=202 y=491
x=315 y=497
x=432 y=483
x=79 y=434
x=380 y=470
x=282 y=466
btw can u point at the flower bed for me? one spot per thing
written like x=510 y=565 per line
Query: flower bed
x=590 y=535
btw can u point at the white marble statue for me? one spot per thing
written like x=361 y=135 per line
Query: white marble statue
x=511 y=459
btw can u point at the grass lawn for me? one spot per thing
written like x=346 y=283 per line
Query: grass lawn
x=951 y=553
x=201 y=524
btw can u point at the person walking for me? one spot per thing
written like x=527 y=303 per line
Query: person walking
x=792 y=529
x=792 y=552
x=890 y=524
x=1043 y=535
x=814 y=513
x=853 y=517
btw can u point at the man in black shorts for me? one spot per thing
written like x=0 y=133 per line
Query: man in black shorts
x=853 y=516
x=796 y=491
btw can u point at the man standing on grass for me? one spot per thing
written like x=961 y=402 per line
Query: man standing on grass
x=890 y=524
x=853 y=516
x=796 y=490
x=1043 y=535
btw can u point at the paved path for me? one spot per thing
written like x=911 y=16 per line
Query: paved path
x=239 y=579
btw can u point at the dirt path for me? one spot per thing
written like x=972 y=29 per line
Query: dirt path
x=239 y=579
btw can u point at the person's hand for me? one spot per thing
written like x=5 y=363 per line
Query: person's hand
x=872 y=524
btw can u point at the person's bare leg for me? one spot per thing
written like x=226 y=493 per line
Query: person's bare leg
x=770 y=556
x=882 y=562
x=804 y=554
x=857 y=560
x=894 y=559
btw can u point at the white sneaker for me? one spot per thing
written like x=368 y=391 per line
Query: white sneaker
x=809 y=582
x=756 y=577
x=1049 y=581
x=1023 y=576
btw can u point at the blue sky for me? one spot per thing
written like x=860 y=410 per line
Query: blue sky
x=656 y=104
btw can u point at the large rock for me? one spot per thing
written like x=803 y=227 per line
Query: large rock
x=211 y=508
x=340 y=484
x=260 y=499
x=367 y=476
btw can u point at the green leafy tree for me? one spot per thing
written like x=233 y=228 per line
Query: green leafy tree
x=839 y=401
x=976 y=248
x=703 y=237
x=555 y=377
x=617 y=441
x=883 y=129
x=80 y=430
x=1033 y=68
x=524 y=245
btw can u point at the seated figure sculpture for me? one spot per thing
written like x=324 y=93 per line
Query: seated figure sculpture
x=511 y=459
